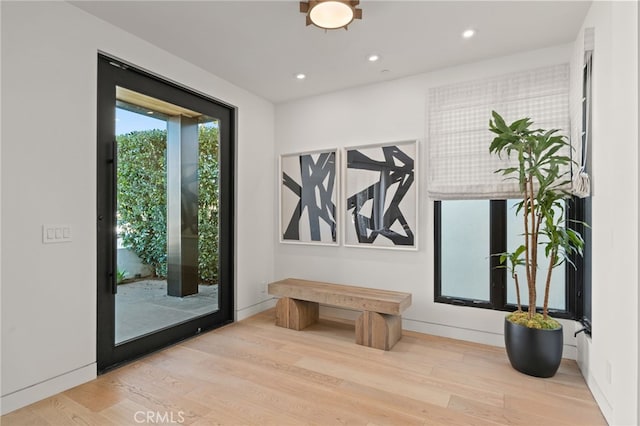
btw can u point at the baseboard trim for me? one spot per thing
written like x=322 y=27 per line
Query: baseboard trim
x=34 y=393
x=471 y=335
x=584 y=343
x=598 y=395
x=243 y=313
x=442 y=330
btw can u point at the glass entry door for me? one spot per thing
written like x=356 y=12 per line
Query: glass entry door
x=164 y=213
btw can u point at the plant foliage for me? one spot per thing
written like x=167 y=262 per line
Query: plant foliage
x=120 y=276
x=543 y=172
x=208 y=169
x=142 y=194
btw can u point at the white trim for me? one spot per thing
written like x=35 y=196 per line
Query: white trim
x=442 y=330
x=33 y=393
x=585 y=363
x=603 y=403
x=249 y=311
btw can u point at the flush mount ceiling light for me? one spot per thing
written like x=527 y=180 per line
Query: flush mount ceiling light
x=468 y=33
x=331 y=14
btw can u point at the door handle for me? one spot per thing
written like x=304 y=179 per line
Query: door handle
x=114 y=241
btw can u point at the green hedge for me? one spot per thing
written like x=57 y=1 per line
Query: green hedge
x=208 y=205
x=142 y=189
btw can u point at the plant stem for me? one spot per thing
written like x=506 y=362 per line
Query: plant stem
x=527 y=263
x=533 y=243
x=515 y=278
x=547 y=285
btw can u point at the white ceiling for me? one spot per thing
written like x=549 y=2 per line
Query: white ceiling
x=260 y=45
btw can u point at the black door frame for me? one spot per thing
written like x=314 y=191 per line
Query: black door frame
x=112 y=73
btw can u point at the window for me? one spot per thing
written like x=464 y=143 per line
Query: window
x=583 y=205
x=469 y=227
x=467 y=233
x=464 y=225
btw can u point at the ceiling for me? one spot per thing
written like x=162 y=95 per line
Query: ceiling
x=261 y=45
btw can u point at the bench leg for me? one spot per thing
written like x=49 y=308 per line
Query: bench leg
x=380 y=331
x=296 y=314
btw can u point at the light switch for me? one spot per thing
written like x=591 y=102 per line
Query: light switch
x=56 y=234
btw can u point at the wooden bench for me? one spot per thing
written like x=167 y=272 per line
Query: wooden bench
x=379 y=326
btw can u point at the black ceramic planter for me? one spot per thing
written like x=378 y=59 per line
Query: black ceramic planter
x=533 y=351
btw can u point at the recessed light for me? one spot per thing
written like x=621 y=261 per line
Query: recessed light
x=301 y=76
x=373 y=57
x=468 y=33
x=150 y=112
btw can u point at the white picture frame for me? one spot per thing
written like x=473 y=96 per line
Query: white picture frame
x=309 y=197
x=380 y=201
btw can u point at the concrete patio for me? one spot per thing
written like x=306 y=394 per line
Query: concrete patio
x=143 y=307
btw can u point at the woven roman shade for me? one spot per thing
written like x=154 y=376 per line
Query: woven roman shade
x=459 y=163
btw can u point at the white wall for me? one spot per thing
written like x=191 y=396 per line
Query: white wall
x=386 y=112
x=609 y=360
x=49 y=57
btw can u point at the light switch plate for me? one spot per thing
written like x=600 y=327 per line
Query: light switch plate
x=56 y=234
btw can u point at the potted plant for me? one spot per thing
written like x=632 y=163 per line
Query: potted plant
x=534 y=340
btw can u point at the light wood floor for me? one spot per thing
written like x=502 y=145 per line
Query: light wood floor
x=252 y=372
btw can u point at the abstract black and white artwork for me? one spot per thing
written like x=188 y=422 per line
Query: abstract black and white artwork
x=308 y=198
x=381 y=196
